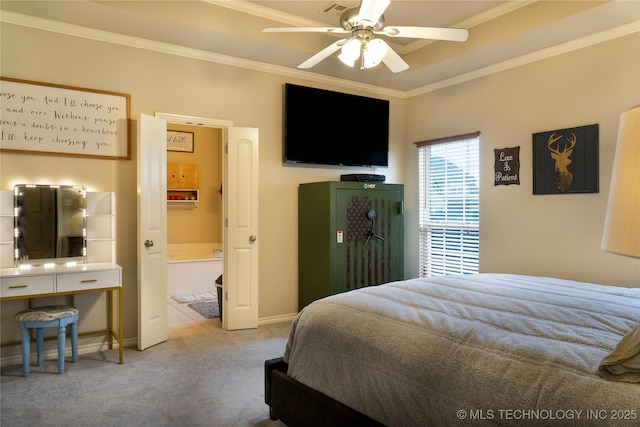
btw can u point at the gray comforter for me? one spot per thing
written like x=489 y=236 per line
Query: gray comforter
x=472 y=350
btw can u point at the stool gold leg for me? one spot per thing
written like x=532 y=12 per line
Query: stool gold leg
x=120 y=325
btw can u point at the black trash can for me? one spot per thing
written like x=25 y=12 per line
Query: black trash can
x=219 y=290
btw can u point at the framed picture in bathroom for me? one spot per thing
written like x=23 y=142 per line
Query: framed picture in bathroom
x=180 y=141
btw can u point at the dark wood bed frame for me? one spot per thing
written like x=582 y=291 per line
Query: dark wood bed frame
x=296 y=404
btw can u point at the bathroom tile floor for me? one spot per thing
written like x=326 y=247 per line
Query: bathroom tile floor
x=183 y=321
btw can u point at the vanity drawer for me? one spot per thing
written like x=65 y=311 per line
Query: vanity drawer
x=87 y=280
x=26 y=285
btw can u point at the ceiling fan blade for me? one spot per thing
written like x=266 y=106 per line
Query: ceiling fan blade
x=324 y=53
x=306 y=30
x=394 y=61
x=371 y=10
x=450 y=34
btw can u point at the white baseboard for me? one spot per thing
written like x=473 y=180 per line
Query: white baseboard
x=276 y=319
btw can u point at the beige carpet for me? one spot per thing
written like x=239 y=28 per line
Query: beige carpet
x=214 y=379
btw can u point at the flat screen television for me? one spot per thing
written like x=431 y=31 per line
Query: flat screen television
x=333 y=128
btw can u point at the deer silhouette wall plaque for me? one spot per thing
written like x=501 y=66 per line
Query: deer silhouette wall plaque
x=566 y=161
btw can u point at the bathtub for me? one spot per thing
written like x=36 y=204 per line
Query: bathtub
x=193 y=267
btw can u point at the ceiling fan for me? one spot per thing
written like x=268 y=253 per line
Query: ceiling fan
x=364 y=24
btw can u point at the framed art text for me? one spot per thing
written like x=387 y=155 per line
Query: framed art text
x=506 y=166
x=63 y=120
x=180 y=141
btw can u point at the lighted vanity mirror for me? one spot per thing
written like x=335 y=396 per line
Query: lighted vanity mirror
x=50 y=224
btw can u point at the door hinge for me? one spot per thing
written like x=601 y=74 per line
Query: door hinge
x=226 y=223
x=401 y=207
x=226 y=148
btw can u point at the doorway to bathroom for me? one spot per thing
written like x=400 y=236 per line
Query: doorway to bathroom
x=240 y=229
x=194 y=229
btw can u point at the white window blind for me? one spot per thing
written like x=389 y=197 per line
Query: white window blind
x=449 y=205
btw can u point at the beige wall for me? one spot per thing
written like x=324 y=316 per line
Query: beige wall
x=200 y=222
x=170 y=84
x=551 y=235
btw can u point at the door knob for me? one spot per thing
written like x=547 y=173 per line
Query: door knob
x=252 y=238
x=148 y=243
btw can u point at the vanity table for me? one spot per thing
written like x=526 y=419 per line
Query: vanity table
x=61 y=241
x=40 y=282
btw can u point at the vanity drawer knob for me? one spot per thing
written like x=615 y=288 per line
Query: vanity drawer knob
x=18 y=286
x=88 y=280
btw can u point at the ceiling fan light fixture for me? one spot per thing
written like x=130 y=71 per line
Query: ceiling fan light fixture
x=346 y=61
x=374 y=51
x=364 y=23
x=350 y=52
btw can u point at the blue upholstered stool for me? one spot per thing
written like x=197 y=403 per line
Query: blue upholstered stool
x=47 y=317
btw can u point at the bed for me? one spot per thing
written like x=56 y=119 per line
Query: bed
x=486 y=349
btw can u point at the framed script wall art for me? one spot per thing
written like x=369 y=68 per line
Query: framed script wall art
x=180 y=141
x=507 y=166
x=566 y=161
x=63 y=120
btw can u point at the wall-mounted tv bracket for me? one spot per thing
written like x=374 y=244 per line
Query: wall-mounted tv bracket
x=371 y=215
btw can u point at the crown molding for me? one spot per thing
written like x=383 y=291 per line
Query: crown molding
x=592 y=39
x=481 y=18
x=266 y=12
x=170 y=49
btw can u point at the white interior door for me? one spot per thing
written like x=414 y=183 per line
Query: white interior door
x=152 y=231
x=240 y=229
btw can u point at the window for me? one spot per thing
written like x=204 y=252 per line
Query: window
x=449 y=205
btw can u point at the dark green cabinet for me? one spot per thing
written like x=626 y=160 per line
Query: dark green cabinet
x=350 y=235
